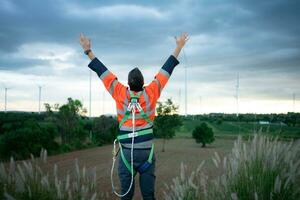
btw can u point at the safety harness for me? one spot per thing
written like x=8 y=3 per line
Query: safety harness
x=131 y=109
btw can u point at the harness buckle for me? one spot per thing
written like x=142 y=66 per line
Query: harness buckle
x=131 y=135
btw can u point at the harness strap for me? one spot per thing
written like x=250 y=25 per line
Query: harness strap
x=128 y=166
x=143 y=167
x=139 y=133
x=137 y=95
x=134 y=99
x=126 y=115
x=151 y=154
x=134 y=102
x=143 y=114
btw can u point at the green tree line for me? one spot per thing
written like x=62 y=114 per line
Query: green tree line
x=61 y=128
x=290 y=119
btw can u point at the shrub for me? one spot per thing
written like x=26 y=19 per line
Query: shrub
x=13 y=120
x=203 y=134
x=263 y=168
x=219 y=121
x=30 y=138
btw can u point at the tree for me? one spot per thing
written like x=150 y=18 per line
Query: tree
x=203 y=134
x=68 y=121
x=167 y=121
x=292 y=119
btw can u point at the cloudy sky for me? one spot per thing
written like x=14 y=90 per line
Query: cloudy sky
x=257 y=39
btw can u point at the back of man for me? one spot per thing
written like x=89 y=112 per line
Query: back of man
x=143 y=120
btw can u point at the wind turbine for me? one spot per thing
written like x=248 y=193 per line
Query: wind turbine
x=200 y=106
x=294 y=102
x=103 y=101
x=237 y=94
x=5 y=101
x=40 y=95
x=185 y=83
x=5 y=96
x=237 y=98
x=90 y=106
x=5 y=109
x=179 y=99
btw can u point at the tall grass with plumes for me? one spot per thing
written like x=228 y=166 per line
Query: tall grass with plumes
x=261 y=168
x=27 y=180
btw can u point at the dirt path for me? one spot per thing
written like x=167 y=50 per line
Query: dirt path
x=167 y=165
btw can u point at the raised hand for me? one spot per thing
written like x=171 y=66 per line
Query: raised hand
x=84 y=42
x=182 y=39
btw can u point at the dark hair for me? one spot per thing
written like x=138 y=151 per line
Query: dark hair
x=135 y=80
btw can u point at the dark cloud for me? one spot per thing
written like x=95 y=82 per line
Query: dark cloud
x=255 y=38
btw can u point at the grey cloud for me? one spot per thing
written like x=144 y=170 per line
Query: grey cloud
x=259 y=39
x=8 y=63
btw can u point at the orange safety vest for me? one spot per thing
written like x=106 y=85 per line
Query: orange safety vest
x=147 y=99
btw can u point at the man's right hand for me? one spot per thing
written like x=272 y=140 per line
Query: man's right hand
x=85 y=42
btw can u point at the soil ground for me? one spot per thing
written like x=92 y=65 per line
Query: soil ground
x=178 y=150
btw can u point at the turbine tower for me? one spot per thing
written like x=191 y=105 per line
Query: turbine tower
x=185 y=83
x=237 y=94
x=179 y=99
x=103 y=102
x=40 y=95
x=200 y=104
x=5 y=99
x=294 y=102
x=90 y=105
x=5 y=96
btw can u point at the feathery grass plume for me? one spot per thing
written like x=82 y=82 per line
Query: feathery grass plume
x=234 y=196
x=186 y=187
x=3 y=174
x=8 y=197
x=260 y=168
x=28 y=180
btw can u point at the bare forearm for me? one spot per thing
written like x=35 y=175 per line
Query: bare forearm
x=177 y=51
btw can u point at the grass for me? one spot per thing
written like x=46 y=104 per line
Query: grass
x=261 y=168
x=26 y=180
x=233 y=129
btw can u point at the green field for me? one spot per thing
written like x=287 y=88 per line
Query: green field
x=233 y=129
